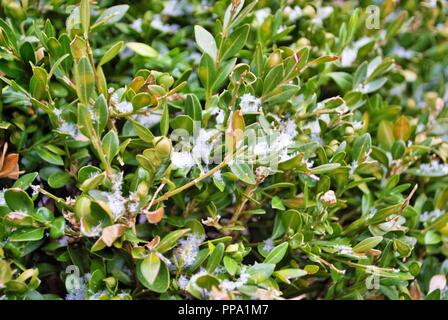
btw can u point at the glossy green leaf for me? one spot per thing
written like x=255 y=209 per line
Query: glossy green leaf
x=18 y=200
x=206 y=42
x=215 y=258
x=111 y=53
x=85 y=80
x=367 y=244
x=27 y=235
x=142 y=49
x=277 y=254
x=243 y=172
x=162 y=281
x=110 y=145
x=150 y=267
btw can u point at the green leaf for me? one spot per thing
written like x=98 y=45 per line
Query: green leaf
x=272 y=79
x=150 y=267
x=96 y=280
x=204 y=282
x=223 y=74
x=56 y=69
x=207 y=72
x=200 y=259
x=101 y=111
x=243 y=13
x=57 y=228
x=18 y=200
x=276 y=203
x=398 y=149
x=231 y=265
x=384 y=66
x=277 y=254
x=291 y=219
x=39 y=105
x=343 y=79
x=165 y=121
x=110 y=145
x=182 y=122
x=215 y=258
x=143 y=133
x=170 y=240
x=403 y=248
x=311 y=268
x=439 y=222
x=85 y=80
x=286 y=274
x=85 y=123
x=353 y=24
x=324 y=168
x=193 y=107
x=360 y=74
x=361 y=147
x=235 y=42
x=260 y=272
x=162 y=281
x=386 y=134
x=383 y=213
x=5 y=272
x=48 y=156
x=206 y=42
x=432 y=238
x=27 y=53
x=111 y=53
x=25 y=181
x=258 y=61
x=254 y=211
x=243 y=172
x=39 y=83
x=59 y=179
x=84 y=12
x=92 y=182
x=142 y=49
x=43 y=214
x=141 y=100
x=27 y=235
x=374 y=85
x=367 y=244
x=232 y=12
x=323 y=59
x=101 y=81
x=281 y=93
x=112 y=15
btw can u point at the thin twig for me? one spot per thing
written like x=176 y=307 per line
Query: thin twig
x=195 y=181
x=147 y=207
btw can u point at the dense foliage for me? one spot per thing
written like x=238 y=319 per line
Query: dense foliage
x=223 y=149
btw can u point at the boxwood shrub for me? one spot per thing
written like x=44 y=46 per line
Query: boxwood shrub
x=223 y=149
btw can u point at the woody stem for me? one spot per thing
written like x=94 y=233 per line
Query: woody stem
x=55 y=198
x=195 y=181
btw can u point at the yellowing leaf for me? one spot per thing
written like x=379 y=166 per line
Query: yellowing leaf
x=402 y=128
x=142 y=49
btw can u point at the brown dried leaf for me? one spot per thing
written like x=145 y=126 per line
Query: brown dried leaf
x=415 y=291
x=153 y=243
x=10 y=168
x=154 y=217
x=112 y=233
